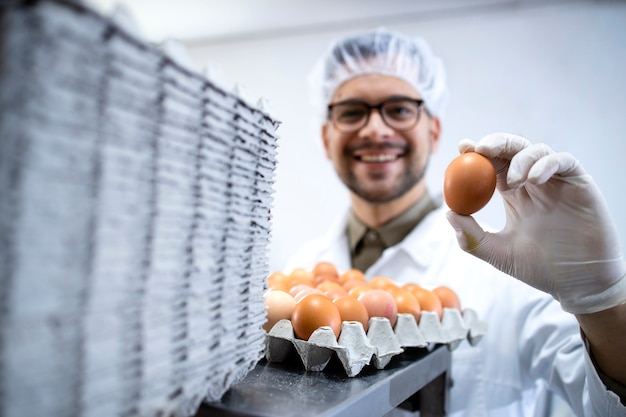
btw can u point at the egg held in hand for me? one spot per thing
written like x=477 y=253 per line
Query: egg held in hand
x=469 y=183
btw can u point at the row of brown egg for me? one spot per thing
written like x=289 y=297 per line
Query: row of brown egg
x=322 y=296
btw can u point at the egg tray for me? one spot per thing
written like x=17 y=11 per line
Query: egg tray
x=357 y=349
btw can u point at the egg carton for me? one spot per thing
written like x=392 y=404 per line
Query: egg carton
x=357 y=349
x=154 y=186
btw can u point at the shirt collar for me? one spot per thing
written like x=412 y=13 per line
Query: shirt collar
x=394 y=231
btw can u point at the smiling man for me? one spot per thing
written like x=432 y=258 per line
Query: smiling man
x=383 y=94
x=380 y=138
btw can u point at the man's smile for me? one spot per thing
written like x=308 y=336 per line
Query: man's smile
x=378 y=154
x=378 y=157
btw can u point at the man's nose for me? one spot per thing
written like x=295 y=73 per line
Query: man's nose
x=375 y=126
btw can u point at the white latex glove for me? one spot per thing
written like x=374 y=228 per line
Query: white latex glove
x=559 y=236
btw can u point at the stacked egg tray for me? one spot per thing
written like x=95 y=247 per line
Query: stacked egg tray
x=357 y=349
x=134 y=220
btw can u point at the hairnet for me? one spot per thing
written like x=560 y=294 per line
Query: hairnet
x=380 y=51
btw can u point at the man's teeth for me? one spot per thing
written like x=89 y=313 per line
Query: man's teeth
x=378 y=158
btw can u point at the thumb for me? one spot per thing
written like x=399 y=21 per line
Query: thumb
x=495 y=249
x=470 y=236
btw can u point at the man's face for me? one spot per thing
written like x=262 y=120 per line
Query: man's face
x=378 y=163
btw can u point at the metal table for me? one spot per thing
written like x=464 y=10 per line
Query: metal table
x=417 y=379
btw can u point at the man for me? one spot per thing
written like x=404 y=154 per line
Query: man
x=560 y=324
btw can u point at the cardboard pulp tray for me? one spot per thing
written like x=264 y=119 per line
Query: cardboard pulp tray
x=356 y=349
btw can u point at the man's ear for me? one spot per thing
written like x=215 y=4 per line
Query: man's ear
x=435 y=133
x=325 y=140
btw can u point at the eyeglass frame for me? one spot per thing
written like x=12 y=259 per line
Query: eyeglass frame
x=379 y=106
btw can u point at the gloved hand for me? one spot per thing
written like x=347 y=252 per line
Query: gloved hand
x=559 y=236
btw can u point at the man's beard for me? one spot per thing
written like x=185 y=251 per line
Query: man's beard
x=385 y=194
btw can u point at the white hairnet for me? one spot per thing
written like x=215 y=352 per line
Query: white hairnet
x=380 y=51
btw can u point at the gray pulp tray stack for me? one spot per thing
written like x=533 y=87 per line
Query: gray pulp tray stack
x=134 y=221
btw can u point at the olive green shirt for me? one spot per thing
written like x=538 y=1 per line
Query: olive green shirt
x=366 y=245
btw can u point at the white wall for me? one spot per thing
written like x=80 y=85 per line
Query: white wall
x=555 y=74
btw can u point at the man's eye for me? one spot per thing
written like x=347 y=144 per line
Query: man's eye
x=350 y=114
x=400 y=111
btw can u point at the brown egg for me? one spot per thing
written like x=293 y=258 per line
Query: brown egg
x=278 y=305
x=427 y=299
x=379 y=303
x=358 y=290
x=333 y=294
x=298 y=287
x=348 y=285
x=469 y=183
x=301 y=276
x=352 y=309
x=448 y=297
x=313 y=312
x=352 y=274
x=381 y=282
x=306 y=291
x=331 y=285
x=324 y=277
x=324 y=268
x=410 y=287
x=407 y=303
x=278 y=281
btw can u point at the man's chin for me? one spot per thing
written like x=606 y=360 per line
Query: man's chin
x=377 y=196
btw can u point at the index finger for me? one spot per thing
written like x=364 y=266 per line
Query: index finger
x=501 y=145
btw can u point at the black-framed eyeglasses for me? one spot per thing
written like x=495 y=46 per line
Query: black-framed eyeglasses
x=399 y=113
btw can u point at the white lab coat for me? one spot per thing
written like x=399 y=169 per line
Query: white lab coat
x=529 y=336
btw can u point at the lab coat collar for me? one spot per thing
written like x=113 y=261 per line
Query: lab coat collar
x=337 y=247
x=426 y=239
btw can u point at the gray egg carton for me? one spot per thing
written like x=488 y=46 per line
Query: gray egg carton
x=135 y=220
x=357 y=349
